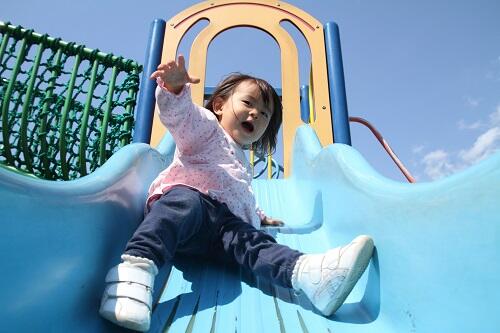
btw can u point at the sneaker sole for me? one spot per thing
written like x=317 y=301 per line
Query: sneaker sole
x=362 y=261
x=107 y=311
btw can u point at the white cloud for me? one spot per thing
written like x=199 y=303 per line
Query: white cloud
x=493 y=120
x=472 y=102
x=495 y=116
x=417 y=149
x=440 y=163
x=462 y=125
x=486 y=144
x=437 y=164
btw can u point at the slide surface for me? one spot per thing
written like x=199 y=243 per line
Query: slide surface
x=435 y=268
x=60 y=238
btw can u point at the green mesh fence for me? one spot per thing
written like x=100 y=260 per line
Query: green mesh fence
x=65 y=109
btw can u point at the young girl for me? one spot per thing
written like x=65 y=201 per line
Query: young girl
x=203 y=203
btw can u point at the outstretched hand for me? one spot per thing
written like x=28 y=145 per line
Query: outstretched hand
x=268 y=221
x=174 y=75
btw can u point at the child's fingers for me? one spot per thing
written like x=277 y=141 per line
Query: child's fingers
x=166 y=66
x=194 y=80
x=155 y=75
x=181 y=62
x=273 y=222
x=278 y=222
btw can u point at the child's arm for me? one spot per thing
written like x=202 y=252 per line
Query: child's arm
x=191 y=126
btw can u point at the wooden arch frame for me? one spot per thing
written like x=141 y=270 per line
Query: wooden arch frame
x=264 y=15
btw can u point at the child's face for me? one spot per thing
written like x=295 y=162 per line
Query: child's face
x=244 y=115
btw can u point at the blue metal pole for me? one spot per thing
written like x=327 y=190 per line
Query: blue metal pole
x=338 y=99
x=146 y=102
x=304 y=103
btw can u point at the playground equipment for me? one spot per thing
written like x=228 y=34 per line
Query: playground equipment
x=435 y=267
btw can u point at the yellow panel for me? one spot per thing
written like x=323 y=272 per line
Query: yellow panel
x=264 y=15
x=310 y=92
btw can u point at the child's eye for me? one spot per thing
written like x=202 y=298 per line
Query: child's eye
x=265 y=114
x=246 y=102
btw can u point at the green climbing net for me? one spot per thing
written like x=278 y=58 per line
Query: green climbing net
x=65 y=109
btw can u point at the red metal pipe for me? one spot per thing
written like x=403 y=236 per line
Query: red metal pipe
x=386 y=146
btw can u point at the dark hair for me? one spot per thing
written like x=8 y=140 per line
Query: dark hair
x=227 y=86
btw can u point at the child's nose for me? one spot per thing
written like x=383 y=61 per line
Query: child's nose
x=254 y=113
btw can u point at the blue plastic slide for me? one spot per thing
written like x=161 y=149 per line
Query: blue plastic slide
x=435 y=268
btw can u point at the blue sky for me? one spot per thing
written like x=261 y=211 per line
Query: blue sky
x=426 y=73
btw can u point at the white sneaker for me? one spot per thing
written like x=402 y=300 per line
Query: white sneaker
x=328 y=278
x=128 y=296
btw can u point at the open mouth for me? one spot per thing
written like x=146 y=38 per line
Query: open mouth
x=247 y=126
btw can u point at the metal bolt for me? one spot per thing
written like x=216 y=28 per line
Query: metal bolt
x=324 y=107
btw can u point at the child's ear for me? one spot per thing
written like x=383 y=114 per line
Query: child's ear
x=217 y=105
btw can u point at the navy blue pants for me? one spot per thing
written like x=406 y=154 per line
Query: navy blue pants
x=185 y=221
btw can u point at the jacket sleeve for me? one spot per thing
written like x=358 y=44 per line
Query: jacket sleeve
x=190 y=125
